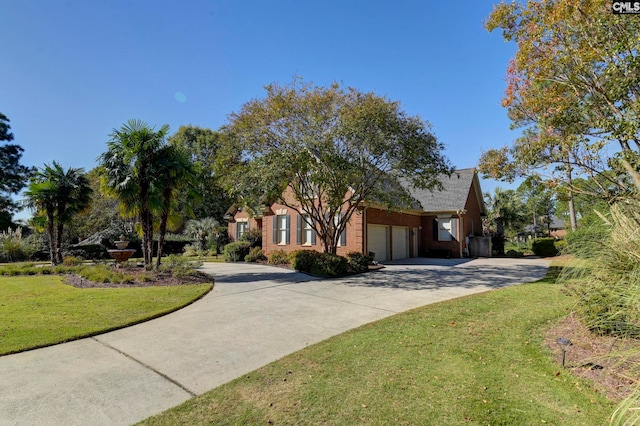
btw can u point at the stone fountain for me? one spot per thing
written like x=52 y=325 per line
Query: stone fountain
x=122 y=253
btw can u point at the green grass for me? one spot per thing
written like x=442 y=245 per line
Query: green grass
x=40 y=310
x=476 y=360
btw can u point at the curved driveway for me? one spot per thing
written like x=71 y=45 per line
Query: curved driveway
x=254 y=315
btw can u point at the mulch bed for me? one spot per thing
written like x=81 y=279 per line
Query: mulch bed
x=151 y=279
x=597 y=357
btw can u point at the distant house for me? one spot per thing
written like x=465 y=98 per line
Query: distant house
x=437 y=225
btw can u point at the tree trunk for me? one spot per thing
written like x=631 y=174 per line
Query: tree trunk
x=572 y=209
x=146 y=219
x=163 y=231
x=59 y=236
x=52 y=239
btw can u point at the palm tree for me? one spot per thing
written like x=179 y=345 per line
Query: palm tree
x=130 y=166
x=202 y=230
x=57 y=195
x=144 y=172
x=174 y=171
x=506 y=210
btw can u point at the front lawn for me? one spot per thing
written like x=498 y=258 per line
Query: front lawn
x=475 y=360
x=41 y=310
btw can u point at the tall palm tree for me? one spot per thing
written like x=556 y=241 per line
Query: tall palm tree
x=174 y=171
x=57 y=195
x=130 y=166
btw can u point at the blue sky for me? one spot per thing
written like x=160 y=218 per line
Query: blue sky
x=74 y=70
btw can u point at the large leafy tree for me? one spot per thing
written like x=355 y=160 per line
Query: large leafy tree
x=330 y=149
x=210 y=157
x=13 y=175
x=57 y=195
x=573 y=87
x=540 y=201
x=144 y=172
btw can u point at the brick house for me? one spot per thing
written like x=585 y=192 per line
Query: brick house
x=439 y=225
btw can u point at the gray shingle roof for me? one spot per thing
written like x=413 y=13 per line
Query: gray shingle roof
x=452 y=197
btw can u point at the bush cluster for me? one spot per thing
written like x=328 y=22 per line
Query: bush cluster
x=180 y=266
x=279 y=257
x=514 y=253
x=255 y=255
x=544 y=247
x=253 y=236
x=237 y=251
x=317 y=263
x=358 y=262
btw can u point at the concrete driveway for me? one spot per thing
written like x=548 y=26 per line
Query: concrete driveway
x=254 y=315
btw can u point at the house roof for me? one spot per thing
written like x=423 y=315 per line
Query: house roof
x=453 y=195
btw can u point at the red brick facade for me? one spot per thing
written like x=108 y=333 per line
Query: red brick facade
x=415 y=232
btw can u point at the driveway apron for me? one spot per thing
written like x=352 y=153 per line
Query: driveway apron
x=254 y=315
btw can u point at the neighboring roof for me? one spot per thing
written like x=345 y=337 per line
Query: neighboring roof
x=453 y=195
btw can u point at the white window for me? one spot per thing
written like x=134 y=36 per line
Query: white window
x=342 y=241
x=307 y=230
x=282 y=229
x=447 y=229
x=242 y=228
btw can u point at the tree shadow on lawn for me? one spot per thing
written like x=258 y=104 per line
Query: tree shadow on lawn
x=490 y=276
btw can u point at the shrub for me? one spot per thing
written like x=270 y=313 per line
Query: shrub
x=191 y=251
x=180 y=266
x=358 y=262
x=236 y=252
x=330 y=265
x=72 y=261
x=514 y=253
x=15 y=248
x=303 y=260
x=279 y=257
x=253 y=236
x=255 y=255
x=544 y=247
x=88 y=251
x=561 y=246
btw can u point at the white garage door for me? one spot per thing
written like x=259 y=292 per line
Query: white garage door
x=400 y=242
x=378 y=241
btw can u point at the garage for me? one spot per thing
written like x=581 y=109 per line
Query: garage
x=400 y=242
x=378 y=241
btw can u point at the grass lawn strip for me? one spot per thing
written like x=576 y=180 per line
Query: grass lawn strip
x=41 y=310
x=475 y=360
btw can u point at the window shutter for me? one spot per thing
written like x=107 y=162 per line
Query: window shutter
x=237 y=231
x=435 y=229
x=299 y=230
x=247 y=228
x=313 y=235
x=343 y=235
x=288 y=229
x=454 y=229
x=275 y=229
